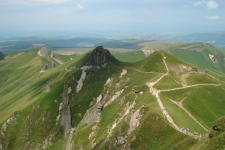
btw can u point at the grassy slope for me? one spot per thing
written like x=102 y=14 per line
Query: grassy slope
x=65 y=58
x=204 y=102
x=36 y=119
x=200 y=58
x=130 y=56
x=152 y=133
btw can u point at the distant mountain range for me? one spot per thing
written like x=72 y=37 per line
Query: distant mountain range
x=17 y=44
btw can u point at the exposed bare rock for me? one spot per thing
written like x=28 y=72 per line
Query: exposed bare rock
x=99 y=57
x=124 y=72
x=46 y=143
x=134 y=137
x=120 y=140
x=4 y=126
x=66 y=120
x=81 y=80
x=93 y=114
x=43 y=52
x=69 y=90
x=134 y=120
x=48 y=89
x=53 y=65
x=147 y=52
x=99 y=98
x=117 y=94
x=214 y=60
x=66 y=112
x=70 y=143
x=52 y=54
x=91 y=135
x=108 y=81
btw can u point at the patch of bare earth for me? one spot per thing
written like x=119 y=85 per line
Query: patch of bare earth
x=183 y=71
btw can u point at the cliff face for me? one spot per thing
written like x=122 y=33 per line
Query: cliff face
x=66 y=110
x=99 y=57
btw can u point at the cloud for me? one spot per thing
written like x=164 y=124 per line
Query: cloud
x=31 y=2
x=200 y=3
x=80 y=5
x=210 y=4
x=213 y=17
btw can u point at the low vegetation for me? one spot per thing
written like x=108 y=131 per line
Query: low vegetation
x=116 y=107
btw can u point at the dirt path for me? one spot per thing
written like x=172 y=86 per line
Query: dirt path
x=156 y=92
x=59 y=61
x=189 y=86
x=181 y=106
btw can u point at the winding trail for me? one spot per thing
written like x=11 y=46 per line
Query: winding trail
x=189 y=86
x=156 y=92
x=181 y=106
x=57 y=60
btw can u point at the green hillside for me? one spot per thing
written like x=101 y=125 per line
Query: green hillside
x=199 y=54
x=94 y=101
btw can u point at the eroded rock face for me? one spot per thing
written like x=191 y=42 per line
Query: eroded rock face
x=66 y=111
x=43 y=52
x=99 y=57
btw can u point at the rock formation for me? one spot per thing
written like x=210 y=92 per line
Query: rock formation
x=66 y=113
x=99 y=57
x=43 y=52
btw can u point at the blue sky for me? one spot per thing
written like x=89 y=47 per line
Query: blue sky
x=153 y=16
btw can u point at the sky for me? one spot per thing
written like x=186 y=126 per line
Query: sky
x=30 y=17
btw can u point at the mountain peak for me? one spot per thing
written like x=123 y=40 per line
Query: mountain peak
x=99 y=57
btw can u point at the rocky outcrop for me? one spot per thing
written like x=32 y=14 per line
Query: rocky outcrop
x=134 y=120
x=99 y=57
x=213 y=58
x=4 y=126
x=65 y=120
x=52 y=54
x=43 y=52
x=94 y=113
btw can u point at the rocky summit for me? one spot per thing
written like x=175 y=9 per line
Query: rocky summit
x=99 y=57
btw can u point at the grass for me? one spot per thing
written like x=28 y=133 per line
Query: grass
x=65 y=58
x=167 y=82
x=201 y=58
x=204 y=102
x=130 y=56
x=37 y=110
x=213 y=104
x=180 y=117
x=153 y=63
x=90 y=90
x=156 y=134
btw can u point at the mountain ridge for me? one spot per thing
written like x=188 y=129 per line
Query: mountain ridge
x=114 y=106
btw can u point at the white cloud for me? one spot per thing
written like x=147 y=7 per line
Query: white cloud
x=31 y=2
x=210 y=4
x=200 y=3
x=80 y=5
x=213 y=17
